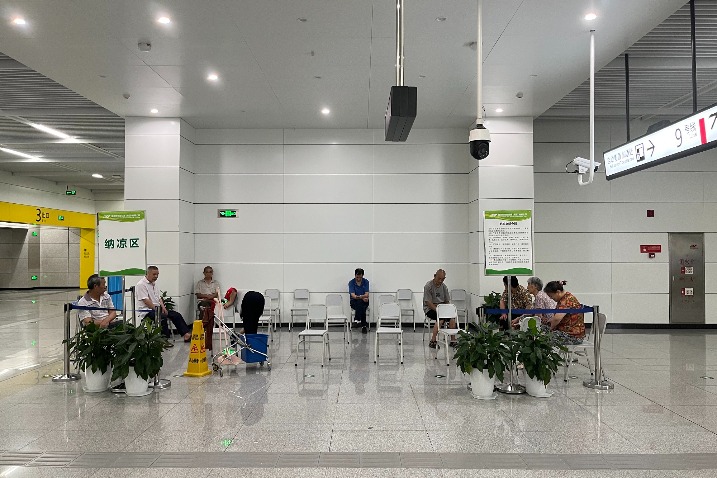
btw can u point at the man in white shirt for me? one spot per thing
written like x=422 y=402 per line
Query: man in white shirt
x=97 y=296
x=148 y=297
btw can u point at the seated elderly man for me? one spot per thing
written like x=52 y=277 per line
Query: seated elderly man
x=97 y=296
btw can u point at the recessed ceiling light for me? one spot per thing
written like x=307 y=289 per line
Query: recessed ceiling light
x=97 y=175
x=212 y=77
x=154 y=111
x=302 y=19
x=325 y=111
x=499 y=110
x=164 y=20
x=590 y=16
x=421 y=76
x=440 y=19
x=19 y=21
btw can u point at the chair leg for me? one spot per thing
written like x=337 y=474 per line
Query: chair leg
x=568 y=359
x=448 y=359
x=375 y=349
x=401 y=336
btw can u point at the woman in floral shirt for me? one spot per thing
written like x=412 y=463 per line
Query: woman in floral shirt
x=570 y=328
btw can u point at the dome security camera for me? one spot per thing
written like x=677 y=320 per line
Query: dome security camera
x=479 y=139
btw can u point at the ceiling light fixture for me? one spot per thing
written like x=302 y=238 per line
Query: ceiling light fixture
x=19 y=21
x=499 y=110
x=164 y=20
x=154 y=111
x=590 y=16
x=51 y=131
x=302 y=19
x=325 y=111
x=21 y=154
x=440 y=19
x=97 y=175
x=212 y=77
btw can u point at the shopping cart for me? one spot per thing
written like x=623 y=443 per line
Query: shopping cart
x=235 y=348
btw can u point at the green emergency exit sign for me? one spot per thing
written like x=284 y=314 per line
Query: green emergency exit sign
x=227 y=212
x=33 y=277
x=71 y=192
x=60 y=218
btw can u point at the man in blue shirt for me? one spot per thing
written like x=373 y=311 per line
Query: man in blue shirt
x=358 y=291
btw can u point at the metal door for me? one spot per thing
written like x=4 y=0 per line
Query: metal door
x=687 y=278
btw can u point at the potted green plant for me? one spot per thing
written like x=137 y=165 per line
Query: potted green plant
x=482 y=354
x=540 y=355
x=168 y=301
x=138 y=355
x=92 y=351
x=492 y=301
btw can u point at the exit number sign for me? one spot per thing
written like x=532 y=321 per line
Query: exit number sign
x=684 y=137
x=227 y=213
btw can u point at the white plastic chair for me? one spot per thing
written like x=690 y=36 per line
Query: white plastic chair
x=584 y=348
x=459 y=297
x=336 y=315
x=273 y=305
x=300 y=308
x=386 y=299
x=388 y=313
x=405 y=301
x=317 y=314
x=265 y=319
x=447 y=312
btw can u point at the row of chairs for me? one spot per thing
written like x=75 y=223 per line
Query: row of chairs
x=403 y=297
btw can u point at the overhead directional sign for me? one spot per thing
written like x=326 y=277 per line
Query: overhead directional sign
x=684 y=137
x=227 y=212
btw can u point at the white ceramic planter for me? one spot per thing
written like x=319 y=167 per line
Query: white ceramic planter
x=481 y=385
x=135 y=385
x=536 y=388
x=97 y=381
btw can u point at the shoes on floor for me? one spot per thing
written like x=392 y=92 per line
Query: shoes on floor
x=118 y=388
x=453 y=344
x=433 y=344
x=170 y=345
x=364 y=330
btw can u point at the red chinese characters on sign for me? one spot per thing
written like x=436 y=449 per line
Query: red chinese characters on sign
x=650 y=248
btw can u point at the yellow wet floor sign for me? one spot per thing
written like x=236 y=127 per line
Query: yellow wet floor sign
x=197 y=366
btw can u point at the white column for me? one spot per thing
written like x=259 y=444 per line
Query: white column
x=159 y=178
x=504 y=180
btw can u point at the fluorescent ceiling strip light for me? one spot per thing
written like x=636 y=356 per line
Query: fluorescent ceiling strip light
x=54 y=132
x=21 y=154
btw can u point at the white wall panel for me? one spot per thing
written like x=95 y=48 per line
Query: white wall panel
x=162 y=215
x=151 y=150
x=592 y=278
x=250 y=218
x=152 y=183
x=163 y=247
x=475 y=219
x=475 y=245
x=641 y=278
x=186 y=185
x=710 y=247
x=389 y=277
x=186 y=154
x=428 y=136
x=328 y=136
x=572 y=247
x=169 y=278
x=510 y=124
x=705 y=161
x=142 y=125
x=325 y=248
x=321 y=279
x=711 y=309
x=327 y=218
x=420 y=218
x=709 y=221
x=589 y=217
x=473 y=185
x=626 y=247
x=710 y=278
x=186 y=216
x=421 y=247
x=632 y=217
x=604 y=301
x=505 y=182
x=328 y=189
x=246 y=275
x=648 y=186
x=239 y=159
x=564 y=189
x=328 y=159
x=570 y=131
x=211 y=248
x=239 y=188
x=239 y=136
x=640 y=309
x=508 y=149
x=423 y=158
x=187 y=131
x=421 y=188
x=710 y=185
x=186 y=247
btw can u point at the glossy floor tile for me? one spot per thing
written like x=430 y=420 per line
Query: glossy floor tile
x=353 y=417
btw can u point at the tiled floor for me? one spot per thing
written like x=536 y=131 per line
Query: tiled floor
x=353 y=417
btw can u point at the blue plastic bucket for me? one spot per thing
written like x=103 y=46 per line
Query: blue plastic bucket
x=258 y=342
